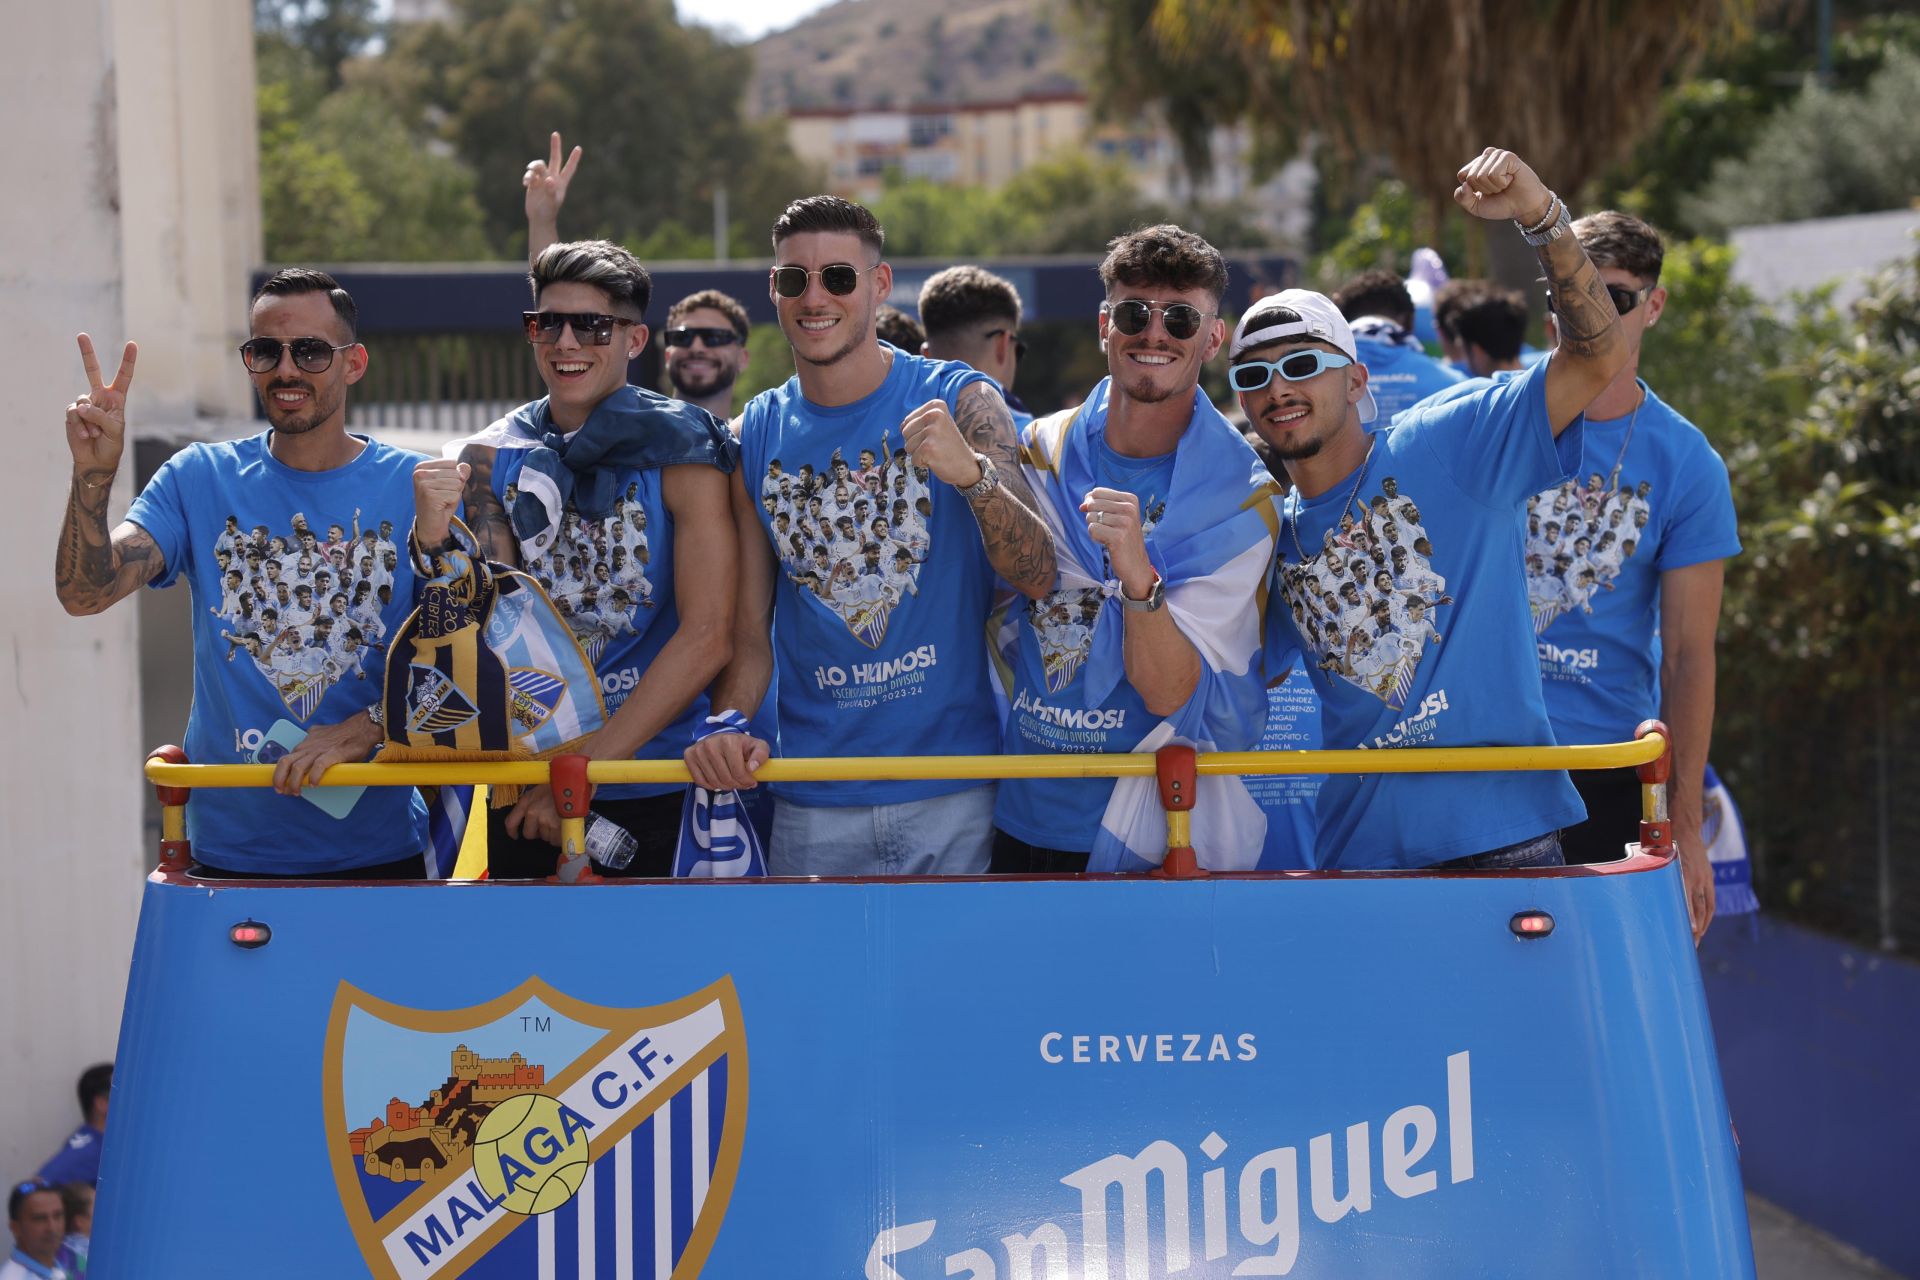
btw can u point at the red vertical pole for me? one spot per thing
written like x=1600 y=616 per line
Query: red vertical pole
x=572 y=793
x=1656 y=830
x=1174 y=767
x=176 y=854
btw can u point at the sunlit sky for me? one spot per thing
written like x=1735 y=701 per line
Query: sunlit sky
x=749 y=19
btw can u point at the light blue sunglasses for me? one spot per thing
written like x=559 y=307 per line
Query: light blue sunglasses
x=1296 y=366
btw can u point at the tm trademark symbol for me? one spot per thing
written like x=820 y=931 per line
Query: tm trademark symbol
x=533 y=1022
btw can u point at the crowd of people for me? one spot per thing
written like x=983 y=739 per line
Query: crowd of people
x=1473 y=549
x=890 y=555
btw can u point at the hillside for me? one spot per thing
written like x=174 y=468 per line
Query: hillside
x=882 y=53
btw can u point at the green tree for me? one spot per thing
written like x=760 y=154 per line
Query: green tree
x=659 y=103
x=328 y=31
x=1828 y=153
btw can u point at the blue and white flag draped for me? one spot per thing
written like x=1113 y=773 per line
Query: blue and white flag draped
x=717 y=842
x=1726 y=839
x=1211 y=546
x=632 y=429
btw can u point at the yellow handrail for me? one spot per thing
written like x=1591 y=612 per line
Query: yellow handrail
x=1612 y=755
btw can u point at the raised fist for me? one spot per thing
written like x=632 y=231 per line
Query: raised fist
x=1498 y=184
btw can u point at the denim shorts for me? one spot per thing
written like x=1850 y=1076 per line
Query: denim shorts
x=1541 y=851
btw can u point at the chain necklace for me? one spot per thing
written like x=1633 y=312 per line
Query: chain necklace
x=1300 y=504
x=1613 y=477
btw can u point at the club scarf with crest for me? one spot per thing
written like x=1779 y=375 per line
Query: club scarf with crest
x=1725 y=836
x=485 y=668
x=632 y=429
x=1211 y=547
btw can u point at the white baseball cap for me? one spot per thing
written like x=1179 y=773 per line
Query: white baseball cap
x=1298 y=313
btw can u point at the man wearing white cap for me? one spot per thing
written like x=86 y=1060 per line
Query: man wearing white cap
x=1468 y=467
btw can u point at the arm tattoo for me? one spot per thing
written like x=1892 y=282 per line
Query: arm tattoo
x=1017 y=539
x=92 y=569
x=485 y=514
x=1589 y=325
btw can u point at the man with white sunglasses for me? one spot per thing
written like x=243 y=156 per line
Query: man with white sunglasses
x=1468 y=468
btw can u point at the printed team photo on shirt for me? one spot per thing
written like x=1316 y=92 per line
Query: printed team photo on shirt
x=305 y=609
x=1064 y=620
x=596 y=571
x=1579 y=534
x=852 y=536
x=1368 y=604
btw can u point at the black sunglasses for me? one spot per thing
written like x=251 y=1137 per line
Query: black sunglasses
x=1019 y=347
x=589 y=327
x=683 y=337
x=1133 y=316
x=315 y=355
x=839 y=279
x=1625 y=299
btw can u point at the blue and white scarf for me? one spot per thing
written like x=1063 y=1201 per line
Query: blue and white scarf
x=716 y=840
x=632 y=429
x=1211 y=546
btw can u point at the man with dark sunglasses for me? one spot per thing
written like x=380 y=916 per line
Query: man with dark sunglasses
x=706 y=346
x=973 y=316
x=864 y=670
x=555 y=488
x=305 y=472
x=1598 y=607
x=1163 y=520
x=706 y=334
x=1461 y=472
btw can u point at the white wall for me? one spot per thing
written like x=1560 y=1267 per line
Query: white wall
x=132 y=211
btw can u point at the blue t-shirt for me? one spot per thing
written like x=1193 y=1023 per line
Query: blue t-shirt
x=1399 y=376
x=1049 y=710
x=883 y=588
x=1288 y=800
x=612 y=580
x=77 y=1160
x=1652 y=495
x=1404 y=588
x=298 y=578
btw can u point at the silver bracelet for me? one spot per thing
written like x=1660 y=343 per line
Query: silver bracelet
x=1553 y=207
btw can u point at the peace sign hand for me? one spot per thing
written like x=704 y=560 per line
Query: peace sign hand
x=546 y=182
x=97 y=421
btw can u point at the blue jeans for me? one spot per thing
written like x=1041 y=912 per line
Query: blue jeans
x=950 y=835
x=1541 y=851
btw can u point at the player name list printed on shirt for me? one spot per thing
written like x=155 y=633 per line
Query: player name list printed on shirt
x=532 y=1124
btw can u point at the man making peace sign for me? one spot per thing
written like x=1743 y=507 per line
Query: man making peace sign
x=267 y=674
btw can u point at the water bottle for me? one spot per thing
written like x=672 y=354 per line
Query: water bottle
x=610 y=845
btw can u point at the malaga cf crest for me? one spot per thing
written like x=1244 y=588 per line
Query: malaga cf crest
x=536 y=1135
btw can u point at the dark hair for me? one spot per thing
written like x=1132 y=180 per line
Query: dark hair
x=710 y=300
x=1448 y=300
x=73 y=1198
x=963 y=296
x=601 y=263
x=1495 y=320
x=1622 y=241
x=1376 y=293
x=891 y=324
x=291 y=282
x=1164 y=257
x=22 y=1190
x=95 y=1081
x=832 y=215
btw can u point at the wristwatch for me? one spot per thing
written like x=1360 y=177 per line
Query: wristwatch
x=988 y=481
x=1558 y=222
x=1156 y=597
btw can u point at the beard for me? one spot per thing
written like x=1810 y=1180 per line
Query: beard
x=722 y=379
x=297 y=422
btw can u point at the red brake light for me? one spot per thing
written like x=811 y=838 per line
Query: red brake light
x=1531 y=924
x=250 y=934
